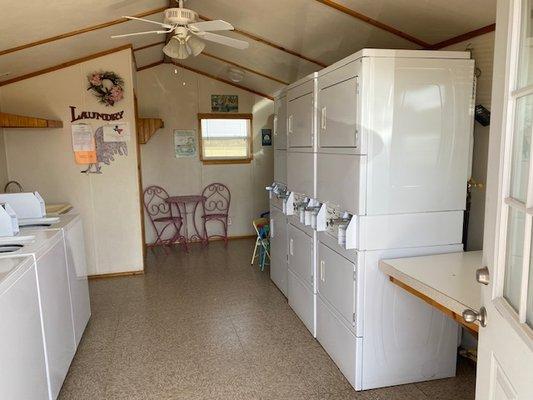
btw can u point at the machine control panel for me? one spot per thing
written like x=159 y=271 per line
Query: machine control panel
x=339 y=224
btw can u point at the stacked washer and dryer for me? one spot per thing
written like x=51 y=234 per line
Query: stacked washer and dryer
x=278 y=196
x=379 y=148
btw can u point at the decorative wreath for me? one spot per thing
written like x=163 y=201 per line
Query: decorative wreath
x=107 y=86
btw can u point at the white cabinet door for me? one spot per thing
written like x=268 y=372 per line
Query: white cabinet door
x=280 y=166
x=56 y=314
x=337 y=282
x=280 y=123
x=278 y=234
x=505 y=351
x=77 y=270
x=22 y=363
x=300 y=122
x=338 y=114
x=301 y=255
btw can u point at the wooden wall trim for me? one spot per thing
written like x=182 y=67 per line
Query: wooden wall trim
x=463 y=37
x=227 y=82
x=253 y=71
x=373 y=22
x=80 y=31
x=271 y=44
x=65 y=64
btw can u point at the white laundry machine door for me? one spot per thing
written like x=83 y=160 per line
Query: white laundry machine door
x=56 y=314
x=77 y=275
x=278 y=249
x=22 y=360
x=301 y=255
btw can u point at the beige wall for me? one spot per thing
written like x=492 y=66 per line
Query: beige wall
x=177 y=99
x=482 y=48
x=42 y=160
x=3 y=161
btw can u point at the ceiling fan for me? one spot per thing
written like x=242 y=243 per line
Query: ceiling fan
x=187 y=32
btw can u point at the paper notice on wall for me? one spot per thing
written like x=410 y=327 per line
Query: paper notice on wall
x=117 y=132
x=83 y=144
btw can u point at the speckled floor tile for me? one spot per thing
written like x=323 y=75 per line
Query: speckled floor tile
x=208 y=326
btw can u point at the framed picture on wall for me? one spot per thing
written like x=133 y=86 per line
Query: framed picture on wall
x=224 y=103
x=185 y=143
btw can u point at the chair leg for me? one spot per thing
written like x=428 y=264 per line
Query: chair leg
x=255 y=250
x=225 y=232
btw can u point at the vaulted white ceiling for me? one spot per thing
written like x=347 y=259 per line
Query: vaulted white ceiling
x=314 y=33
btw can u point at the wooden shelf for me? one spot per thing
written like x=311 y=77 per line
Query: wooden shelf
x=147 y=127
x=20 y=121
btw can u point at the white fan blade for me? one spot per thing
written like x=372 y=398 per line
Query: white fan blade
x=210 y=26
x=150 y=21
x=227 y=41
x=137 y=34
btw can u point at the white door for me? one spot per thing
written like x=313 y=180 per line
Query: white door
x=280 y=123
x=300 y=122
x=505 y=354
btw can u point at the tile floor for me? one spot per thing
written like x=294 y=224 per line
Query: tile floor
x=209 y=326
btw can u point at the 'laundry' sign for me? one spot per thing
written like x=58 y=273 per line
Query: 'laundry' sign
x=94 y=115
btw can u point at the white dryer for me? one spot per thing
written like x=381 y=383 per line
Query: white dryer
x=47 y=250
x=71 y=228
x=22 y=360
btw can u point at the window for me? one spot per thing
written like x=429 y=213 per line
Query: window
x=225 y=138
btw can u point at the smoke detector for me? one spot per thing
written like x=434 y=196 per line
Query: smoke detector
x=236 y=75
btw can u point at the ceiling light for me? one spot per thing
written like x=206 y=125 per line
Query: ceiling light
x=236 y=75
x=183 y=48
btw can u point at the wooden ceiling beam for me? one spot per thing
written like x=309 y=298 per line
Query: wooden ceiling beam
x=80 y=31
x=271 y=44
x=373 y=22
x=227 y=82
x=65 y=64
x=463 y=37
x=150 y=45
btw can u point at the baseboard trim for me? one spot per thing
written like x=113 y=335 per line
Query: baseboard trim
x=115 y=275
x=217 y=239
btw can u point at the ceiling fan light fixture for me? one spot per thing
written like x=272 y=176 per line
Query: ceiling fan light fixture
x=171 y=48
x=196 y=45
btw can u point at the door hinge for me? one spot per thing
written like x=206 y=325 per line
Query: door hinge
x=354 y=275
x=357 y=84
x=353 y=318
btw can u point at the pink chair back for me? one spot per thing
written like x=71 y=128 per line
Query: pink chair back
x=217 y=199
x=154 y=202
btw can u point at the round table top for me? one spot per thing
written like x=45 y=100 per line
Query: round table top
x=191 y=198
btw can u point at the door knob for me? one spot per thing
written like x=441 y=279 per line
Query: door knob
x=472 y=316
x=483 y=276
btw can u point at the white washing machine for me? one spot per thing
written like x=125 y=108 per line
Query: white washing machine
x=278 y=237
x=22 y=351
x=378 y=334
x=48 y=252
x=71 y=227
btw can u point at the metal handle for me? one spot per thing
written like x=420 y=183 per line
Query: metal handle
x=275 y=125
x=323 y=118
x=322 y=264
x=271 y=228
x=483 y=276
x=291 y=252
x=472 y=316
x=289 y=124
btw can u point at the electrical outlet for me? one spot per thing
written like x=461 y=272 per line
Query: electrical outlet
x=229 y=221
